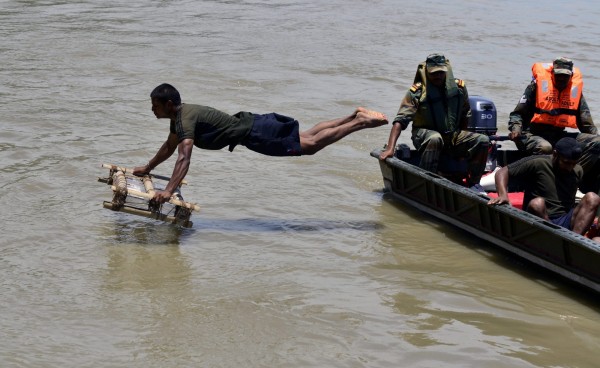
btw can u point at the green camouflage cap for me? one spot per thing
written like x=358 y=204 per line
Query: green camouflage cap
x=436 y=63
x=562 y=65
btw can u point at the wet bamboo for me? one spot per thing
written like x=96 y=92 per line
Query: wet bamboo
x=148 y=214
x=130 y=171
x=120 y=182
x=148 y=185
x=174 y=201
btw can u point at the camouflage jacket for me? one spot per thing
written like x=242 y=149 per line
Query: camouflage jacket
x=412 y=99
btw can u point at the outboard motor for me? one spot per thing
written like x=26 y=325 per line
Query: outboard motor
x=483 y=120
x=483 y=117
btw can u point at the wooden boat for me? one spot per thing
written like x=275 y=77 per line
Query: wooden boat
x=133 y=195
x=552 y=247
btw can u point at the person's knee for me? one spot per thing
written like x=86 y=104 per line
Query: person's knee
x=537 y=206
x=591 y=200
x=482 y=143
x=434 y=143
x=592 y=148
x=483 y=140
x=309 y=149
x=543 y=148
x=308 y=145
x=537 y=201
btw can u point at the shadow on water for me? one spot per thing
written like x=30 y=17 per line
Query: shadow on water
x=503 y=257
x=161 y=233
x=275 y=225
x=146 y=232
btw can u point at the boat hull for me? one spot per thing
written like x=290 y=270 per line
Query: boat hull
x=557 y=249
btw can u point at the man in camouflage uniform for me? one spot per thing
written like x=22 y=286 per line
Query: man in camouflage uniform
x=540 y=135
x=438 y=106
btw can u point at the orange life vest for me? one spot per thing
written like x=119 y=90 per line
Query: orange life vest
x=553 y=107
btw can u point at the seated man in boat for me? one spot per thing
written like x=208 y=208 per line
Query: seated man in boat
x=551 y=183
x=438 y=106
x=270 y=134
x=552 y=102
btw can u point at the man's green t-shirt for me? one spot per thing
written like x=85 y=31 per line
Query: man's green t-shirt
x=210 y=128
x=541 y=179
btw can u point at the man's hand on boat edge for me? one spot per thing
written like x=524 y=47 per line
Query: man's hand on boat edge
x=387 y=152
x=499 y=200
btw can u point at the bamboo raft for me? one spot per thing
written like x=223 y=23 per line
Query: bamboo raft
x=133 y=194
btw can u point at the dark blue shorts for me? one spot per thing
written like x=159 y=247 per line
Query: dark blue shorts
x=274 y=135
x=564 y=220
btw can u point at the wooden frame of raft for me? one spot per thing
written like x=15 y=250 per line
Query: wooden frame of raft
x=122 y=182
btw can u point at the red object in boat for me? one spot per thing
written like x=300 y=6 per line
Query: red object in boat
x=516 y=198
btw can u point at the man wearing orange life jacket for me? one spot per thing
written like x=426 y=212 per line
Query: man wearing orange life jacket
x=552 y=102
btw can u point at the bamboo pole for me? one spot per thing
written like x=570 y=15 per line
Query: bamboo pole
x=120 y=182
x=148 y=214
x=174 y=201
x=130 y=172
x=148 y=185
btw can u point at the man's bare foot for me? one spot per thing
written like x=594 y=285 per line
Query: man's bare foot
x=371 y=118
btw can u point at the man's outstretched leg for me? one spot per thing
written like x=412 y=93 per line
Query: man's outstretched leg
x=585 y=213
x=328 y=132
